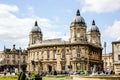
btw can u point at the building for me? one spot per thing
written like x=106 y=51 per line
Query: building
x=1 y=60
x=83 y=51
x=108 y=61
x=116 y=56
x=13 y=58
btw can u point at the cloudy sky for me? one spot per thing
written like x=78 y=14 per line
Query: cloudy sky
x=17 y=18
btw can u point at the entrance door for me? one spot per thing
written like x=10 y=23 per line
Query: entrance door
x=49 y=68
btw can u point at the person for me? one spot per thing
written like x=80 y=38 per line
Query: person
x=55 y=72
x=22 y=75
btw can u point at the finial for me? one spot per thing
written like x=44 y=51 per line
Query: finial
x=78 y=13
x=93 y=23
x=36 y=23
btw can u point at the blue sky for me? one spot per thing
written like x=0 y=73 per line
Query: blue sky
x=17 y=18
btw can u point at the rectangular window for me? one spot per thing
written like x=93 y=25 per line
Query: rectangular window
x=118 y=57
x=48 y=55
x=63 y=55
x=63 y=66
x=54 y=55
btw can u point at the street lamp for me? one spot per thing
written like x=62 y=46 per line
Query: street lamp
x=105 y=54
x=19 y=60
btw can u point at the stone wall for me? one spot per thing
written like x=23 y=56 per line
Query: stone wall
x=96 y=77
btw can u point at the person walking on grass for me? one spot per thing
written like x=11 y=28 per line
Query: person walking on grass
x=22 y=75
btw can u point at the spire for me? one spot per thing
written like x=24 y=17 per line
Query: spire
x=4 y=48
x=36 y=23
x=78 y=13
x=93 y=23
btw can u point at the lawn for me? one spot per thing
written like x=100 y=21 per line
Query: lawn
x=45 y=78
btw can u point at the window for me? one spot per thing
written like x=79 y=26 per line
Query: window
x=119 y=48
x=78 y=54
x=54 y=55
x=78 y=66
x=63 y=55
x=118 y=57
x=7 y=56
x=42 y=55
x=78 y=34
x=54 y=67
x=13 y=61
x=48 y=55
x=63 y=66
x=23 y=57
x=13 y=56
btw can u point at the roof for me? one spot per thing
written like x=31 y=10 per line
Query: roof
x=36 y=28
x=93 y=28
x=78 y=19
x=53 y=41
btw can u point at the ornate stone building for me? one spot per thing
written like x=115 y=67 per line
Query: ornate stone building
x=13 y=58
x=108 y=61
x=116 y=56
x=81 y=52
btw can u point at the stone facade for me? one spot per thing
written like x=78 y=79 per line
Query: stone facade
x=81 y=52
x=12 y=58
x=108 y=61
x=116 y=56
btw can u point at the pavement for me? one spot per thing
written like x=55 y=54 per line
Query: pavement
x=8 y=74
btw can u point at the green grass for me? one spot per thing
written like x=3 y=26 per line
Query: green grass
x=8 y=78
x=44 y=78
x=53 y=78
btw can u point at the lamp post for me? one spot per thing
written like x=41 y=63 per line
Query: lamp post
x=19 y=60
x=105 y=54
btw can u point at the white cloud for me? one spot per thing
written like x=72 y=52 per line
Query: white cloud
x=100 y=6
x=113 y=31
x=16 y=30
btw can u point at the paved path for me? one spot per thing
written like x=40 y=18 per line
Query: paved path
x=8 y=74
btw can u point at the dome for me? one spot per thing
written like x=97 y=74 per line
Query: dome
x=36 y=28
x=94 y=28
x=78 y=19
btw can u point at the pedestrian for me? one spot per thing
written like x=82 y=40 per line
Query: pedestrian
x=22 y=75
x=55 y=72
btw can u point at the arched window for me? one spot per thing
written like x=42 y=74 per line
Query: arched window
x=78 y=54
x=78 y=66
x=78 y=32
x=63 y=55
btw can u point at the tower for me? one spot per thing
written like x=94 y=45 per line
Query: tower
x=78 y=29
x=94 y=34
x=35 y=36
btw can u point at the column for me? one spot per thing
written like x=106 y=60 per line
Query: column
x=67 y=62
x=73 y=65
x=45 y=55
x=58 y=63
